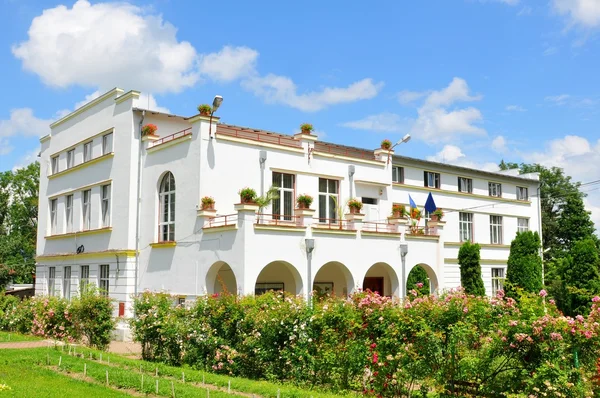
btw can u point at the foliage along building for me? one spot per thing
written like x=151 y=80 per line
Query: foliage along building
x=124 y=210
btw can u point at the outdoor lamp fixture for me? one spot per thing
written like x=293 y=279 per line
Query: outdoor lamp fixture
x=404 y=140
x=310 y=246
x=403 y=253
x=216 y=104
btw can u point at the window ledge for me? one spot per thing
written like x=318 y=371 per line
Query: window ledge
x=458 y=193
x=393 y=235
x=483 y=245
x=82 y=165
x=424 y=237
x=163 y=244
x=333 y=231
x=80 y=233
x=220 y=228
x=280 y=227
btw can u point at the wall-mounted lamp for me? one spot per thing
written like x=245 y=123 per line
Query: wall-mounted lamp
x=404 y=140
x=215 y=105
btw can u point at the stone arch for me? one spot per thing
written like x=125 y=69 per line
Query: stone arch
x=433 y=281
x=382 y=275
x=279 y=275
x=221 y=277
x=334 y=276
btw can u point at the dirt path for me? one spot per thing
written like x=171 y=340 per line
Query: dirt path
x=25 y=344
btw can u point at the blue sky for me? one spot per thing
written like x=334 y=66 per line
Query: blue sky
x=473 y=81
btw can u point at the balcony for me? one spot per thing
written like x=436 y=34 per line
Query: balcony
x=221 y=223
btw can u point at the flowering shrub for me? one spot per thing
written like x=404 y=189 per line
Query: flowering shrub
x=92 y=317
x=379 y=346
x=52 y=318
x=149 y=129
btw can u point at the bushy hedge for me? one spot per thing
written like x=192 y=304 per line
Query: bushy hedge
x=370 y=343
x=86 y=318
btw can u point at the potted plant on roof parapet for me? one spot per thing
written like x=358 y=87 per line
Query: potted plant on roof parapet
x=306 y=128
x=149 y=130
x=437 y=215
x=208 y=203
x=386 y=144
x=355 y=206
x=247 y=195
x=398 y=210
x=204 y=109
x=304 y=201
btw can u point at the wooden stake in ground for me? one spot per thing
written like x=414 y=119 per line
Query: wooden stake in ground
x=59 y=361
x=207 y=393
x=142 y=383
x=156 y=373
x=108 y=358
x=183 y=377
x=278 y=393
x=107 y=377
x=69 y=350
x=84 y=369
x=100 y=357
x=172 y=390
x=229 y=387
x=156 y=386
x=202 y=378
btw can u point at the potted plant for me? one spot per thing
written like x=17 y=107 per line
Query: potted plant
x=398 y=210
x=306 y=128
x=204 y=109
x=208 y=203
x=247 y=195
x=304 y=201
x=437 y=215
x=149 y=130
x=355 y=206
x=415 y=214
x=386 y=144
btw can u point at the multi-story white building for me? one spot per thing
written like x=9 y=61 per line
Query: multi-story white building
x=125 y=211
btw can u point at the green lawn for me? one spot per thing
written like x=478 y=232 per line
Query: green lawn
x=6 y=337
x=35 y=373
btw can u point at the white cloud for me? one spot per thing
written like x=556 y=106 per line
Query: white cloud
x=88 y=98
x=105 y=45
x=515 y=108
x=407 y=97
x=499 y=144
x=27 y=159
x=5 y=147
x=231 y=63
x=525 y=11
x=282 y=90
x=383 y=122
x=452 y=154
x=22 y=122
x=457 y=90
x=147 y=101
x=557 y=99
x=585 y=13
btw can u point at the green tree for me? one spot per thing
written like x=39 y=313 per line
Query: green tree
x=580 y=278
x=524 y=266
x=470 y=268
x=415 y=276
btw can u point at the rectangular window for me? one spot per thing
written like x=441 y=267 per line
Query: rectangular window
x=522 y=193
x=87 y=209
x=495 y=189
x=497 y=280
x=84 y=277
x=431 y=180
x=104 y=284
x=54 y=161
x=69 y=212
x=262 y=288
x=107 y=143
x=51 y=280
x=522 y=224
x=53 y=215
x=284 y=205
x=181 y=301
x=368 y=201
x=496 y=230
x=106 y=194
x=87 y=151
x=328 y=199
x=465 y=227
x=70 y=158
x=67 y=283
x=398 y=174
x=465 y=185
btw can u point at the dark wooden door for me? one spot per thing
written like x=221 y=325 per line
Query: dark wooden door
x=374 y=284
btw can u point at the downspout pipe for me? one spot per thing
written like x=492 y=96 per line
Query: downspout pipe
x=539 y=199
x=138 y=208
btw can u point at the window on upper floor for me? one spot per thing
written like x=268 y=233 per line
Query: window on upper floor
x=522 y=193
x=522 y=224
x=53 y=215
x=107 y=143
x=70 y=158
x=495 y=189
x=54 y=164
x=497 y=280
x=431 y=179
x=106 y=196
x=398 y=174
x=69 y=212
x=496 y=230
x=328 y=199
x=284 y=205
x=465 y=185
x=166 y=225
x=87 y=151
x=465 y=226
x=86 y=209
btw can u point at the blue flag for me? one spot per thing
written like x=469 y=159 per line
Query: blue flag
x=430 y=204
x=412 y=202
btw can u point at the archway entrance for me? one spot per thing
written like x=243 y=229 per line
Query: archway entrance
x=279 y=276
x=382 y=278
x=422 y=273
x=220 y=278
x=333 y=278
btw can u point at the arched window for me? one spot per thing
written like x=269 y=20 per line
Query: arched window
x=166 y=224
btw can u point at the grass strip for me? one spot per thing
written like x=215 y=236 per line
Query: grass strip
x=10 y=337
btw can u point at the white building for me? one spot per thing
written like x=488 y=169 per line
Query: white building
x=124 y=212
